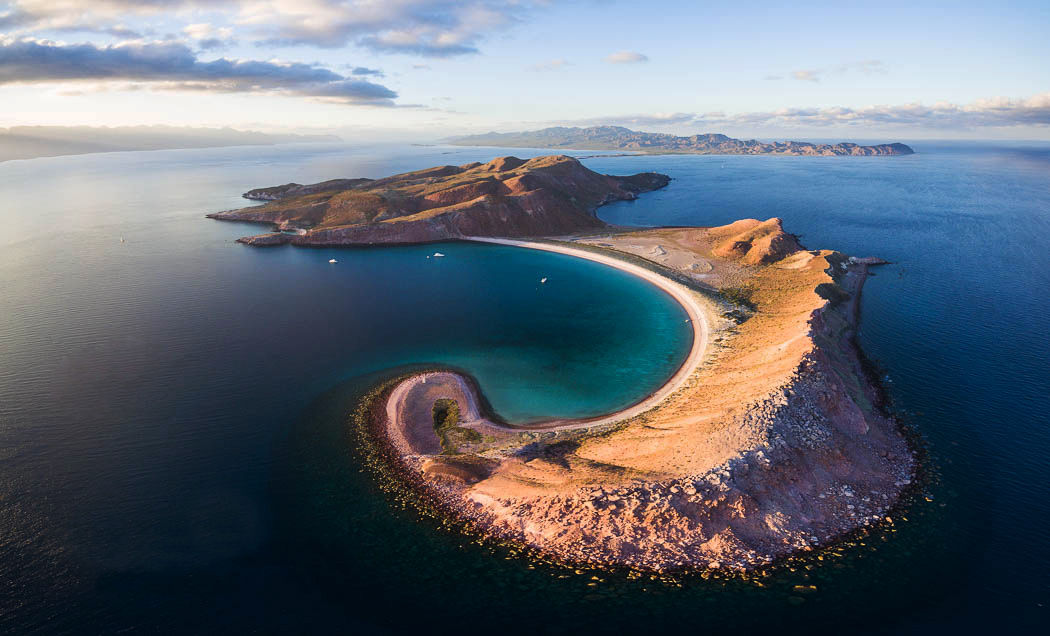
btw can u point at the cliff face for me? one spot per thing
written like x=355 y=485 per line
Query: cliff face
x=617 y=138
x=545 y=196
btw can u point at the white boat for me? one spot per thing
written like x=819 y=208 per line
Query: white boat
x=332 y=260
x=543 y=280
x=438 y=254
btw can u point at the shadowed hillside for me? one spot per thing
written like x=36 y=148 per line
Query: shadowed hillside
x=507 y=196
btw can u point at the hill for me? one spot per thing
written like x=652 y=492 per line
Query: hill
x=545 y=196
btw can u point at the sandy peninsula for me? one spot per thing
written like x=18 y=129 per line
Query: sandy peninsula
x=767 y=441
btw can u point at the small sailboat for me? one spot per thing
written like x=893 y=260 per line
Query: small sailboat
x=438 y=254
x=543 y=280
x=332 y=260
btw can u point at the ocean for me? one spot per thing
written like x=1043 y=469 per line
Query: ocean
x=174 y=448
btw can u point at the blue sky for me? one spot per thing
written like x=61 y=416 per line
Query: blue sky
x=427 y=68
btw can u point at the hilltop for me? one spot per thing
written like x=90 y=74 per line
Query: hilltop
x=507 y=196
x=619 y=138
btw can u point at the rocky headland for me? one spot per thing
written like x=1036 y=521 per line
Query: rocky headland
x=619 y=138
x=545 y=196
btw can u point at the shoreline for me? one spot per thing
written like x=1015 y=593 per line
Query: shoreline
x=699 y=326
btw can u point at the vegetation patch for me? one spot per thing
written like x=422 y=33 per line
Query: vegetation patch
x=742 y=295
x=446 y=425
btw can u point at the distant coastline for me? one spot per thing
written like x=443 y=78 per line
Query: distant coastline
x=32 y=142
x=619 y=138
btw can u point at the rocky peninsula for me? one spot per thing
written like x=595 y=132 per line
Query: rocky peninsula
x=507 y=196
x=770 y=439
x=619 y=138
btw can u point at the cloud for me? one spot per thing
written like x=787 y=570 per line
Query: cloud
x=654 y=119
x=626 y=57
x=550 y=65
x=430 y=28
x=174 y=65
x=983 y=113
x=865 y=67
x=362 y=70
x=97 y=16
x=208 y=36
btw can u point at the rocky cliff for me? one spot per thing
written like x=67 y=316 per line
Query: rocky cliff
x=545 y=196
x=618 y=138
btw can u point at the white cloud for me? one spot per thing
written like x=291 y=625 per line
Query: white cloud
x=432 y=28
x=984 y=113
x=865 y=67
x=173 y=65
x=626 y=57
x=651 y=119
x=550 y=65
x=208 y=36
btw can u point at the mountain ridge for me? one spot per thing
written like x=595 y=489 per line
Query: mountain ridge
x=620 y=138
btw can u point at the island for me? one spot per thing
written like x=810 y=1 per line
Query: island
x=504 y=197
x=772 y=438
x=619 y=138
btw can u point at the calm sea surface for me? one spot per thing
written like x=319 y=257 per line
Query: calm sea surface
x=174 y=454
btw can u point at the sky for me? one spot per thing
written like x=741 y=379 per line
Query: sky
x=429 y=68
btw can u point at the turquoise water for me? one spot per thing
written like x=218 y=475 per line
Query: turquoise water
x=173 y=447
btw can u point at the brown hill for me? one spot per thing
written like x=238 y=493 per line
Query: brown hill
x=508 y=196
x=753 y=242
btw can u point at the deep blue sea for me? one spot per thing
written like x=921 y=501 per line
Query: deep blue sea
x=174 y=450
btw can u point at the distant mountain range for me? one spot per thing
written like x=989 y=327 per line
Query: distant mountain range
x=619 y=138
x=28 y=142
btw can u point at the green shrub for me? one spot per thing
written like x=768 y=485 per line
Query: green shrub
x=446 y=425
x=739 y=295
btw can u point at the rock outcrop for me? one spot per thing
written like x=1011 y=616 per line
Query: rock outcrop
x=618 y=138
x=508 y=196
x=754 y=242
